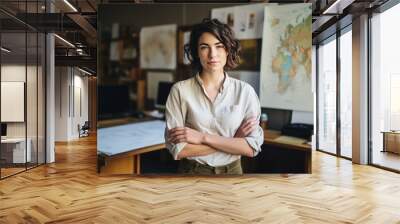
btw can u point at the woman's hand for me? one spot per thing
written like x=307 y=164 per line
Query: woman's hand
x=246 y=127
x=185 y=134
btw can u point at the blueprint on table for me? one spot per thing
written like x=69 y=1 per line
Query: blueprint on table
x=128 y=137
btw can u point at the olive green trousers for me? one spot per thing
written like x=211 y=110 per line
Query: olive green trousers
x=187 y=166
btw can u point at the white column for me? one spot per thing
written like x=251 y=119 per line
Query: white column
x=50 y=93
x=62 y=102
x=50 y=101
x=360 y=90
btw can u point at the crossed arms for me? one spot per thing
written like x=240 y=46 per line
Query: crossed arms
x=201 y=144
x=185 y=142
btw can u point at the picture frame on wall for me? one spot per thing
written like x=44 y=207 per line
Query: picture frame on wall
x=250 y=55
x=183 y=38
x=158 y=47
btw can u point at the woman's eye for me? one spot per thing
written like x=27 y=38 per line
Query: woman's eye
x=220 y=46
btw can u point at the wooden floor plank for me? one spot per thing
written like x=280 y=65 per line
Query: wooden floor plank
x=70 y=191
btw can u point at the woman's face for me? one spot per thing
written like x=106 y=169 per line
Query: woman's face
x=212 y=53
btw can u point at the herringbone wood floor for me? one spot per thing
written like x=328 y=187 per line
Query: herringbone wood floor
x=70 y=191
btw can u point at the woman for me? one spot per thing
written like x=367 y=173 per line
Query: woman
x=212 y=119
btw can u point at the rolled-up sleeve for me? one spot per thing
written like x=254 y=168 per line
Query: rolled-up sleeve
x=253 y=108
x=175 y=114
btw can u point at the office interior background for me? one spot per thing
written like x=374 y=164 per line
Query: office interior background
x=142 y=85
x=48 y=87
x=49 y=61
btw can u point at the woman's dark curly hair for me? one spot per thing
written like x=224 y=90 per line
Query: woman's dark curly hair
x=223 y=33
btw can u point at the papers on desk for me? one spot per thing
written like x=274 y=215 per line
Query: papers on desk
x=155 y=114
x=128 y=137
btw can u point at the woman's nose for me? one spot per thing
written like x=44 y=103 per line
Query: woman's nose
x=213 y=52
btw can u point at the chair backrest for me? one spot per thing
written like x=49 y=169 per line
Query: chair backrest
x=86 y=125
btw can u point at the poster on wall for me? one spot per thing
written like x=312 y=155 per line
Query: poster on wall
x=12 y=101
x=250 y=20
x=246 y=21
x=224 y=15
x=158 y=47
x=286 y=58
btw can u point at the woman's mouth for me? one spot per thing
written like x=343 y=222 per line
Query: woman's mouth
x=213 y=62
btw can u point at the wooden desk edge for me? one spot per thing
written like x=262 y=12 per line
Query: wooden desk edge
x=300 y=147
x=271 y=135
x=135 y=151
x=126 y=162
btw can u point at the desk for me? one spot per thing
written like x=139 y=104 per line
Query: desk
x=121 y=121
x=128 y=161
x=13 y=150
x=272 y=138
x=119 y=147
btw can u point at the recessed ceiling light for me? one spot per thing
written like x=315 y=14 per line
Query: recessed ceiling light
x=5 y=50
x=84 y=71
x=70 y=5
x=337 y=6
x=65 y=41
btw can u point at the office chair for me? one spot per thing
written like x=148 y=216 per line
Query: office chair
x=84 y=130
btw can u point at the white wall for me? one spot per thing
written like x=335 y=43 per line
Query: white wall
x=62 y=81
x=16 y=73
x=71 y=102
x=33 y=126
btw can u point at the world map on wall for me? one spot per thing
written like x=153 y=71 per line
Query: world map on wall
x=294 y=51
x=285 y=79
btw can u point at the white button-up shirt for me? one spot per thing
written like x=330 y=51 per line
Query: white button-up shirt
x=189 y=106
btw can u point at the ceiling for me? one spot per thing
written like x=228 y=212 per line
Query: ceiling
x=77 y=22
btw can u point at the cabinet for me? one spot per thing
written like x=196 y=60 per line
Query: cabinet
x=391 y=141
x=13 y=150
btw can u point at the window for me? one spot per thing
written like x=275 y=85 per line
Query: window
x=346 y=92
x=327 y=95
x=385 y=85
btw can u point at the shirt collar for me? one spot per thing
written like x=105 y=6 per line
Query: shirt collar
x=223 y=86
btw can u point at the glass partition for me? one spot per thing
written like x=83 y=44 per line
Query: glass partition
x=14 y=153
x=31 y=100
x=41 y=91
x=22 y=92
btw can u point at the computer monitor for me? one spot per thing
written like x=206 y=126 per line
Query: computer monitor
x=3 y=129
x=162 y=94
x=114 y=101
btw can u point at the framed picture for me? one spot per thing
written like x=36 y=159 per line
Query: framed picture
x=250 y=55
x=158 y=47
x=183 y=38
